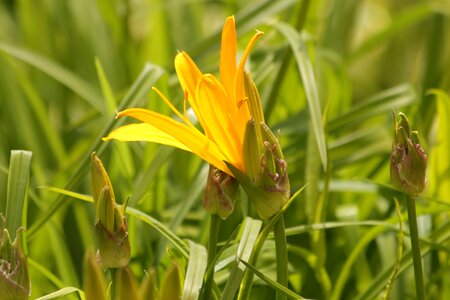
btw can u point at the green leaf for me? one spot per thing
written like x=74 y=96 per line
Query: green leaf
x=149 y=75
x=439 y=237
x=164 y=230
x=275 y=285
x=309 y=82
x=107 y=92
x=57 y=72
x=248 y=239
x=62 y=293
x=439 y=164
x=18 y=178
x=381 y=102
x=195 y=272
x=410 y=16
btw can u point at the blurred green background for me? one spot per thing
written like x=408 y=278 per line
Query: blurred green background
x=67 y=66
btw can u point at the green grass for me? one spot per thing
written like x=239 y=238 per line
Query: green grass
x=329 y=74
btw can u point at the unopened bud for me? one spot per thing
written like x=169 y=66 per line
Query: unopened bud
x=110 y=226
x=408 y=160
x=94 y=283
x=148 y=289
x=14 y=279
x=171 y=285
x=125 y=285
x=220 y=193
x=266 y=179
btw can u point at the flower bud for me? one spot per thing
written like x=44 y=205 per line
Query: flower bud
x=171 y=284
x=110 y=226
x=14 y=279
x=125 y=285
x=148 y=289
x=220 y=193
x=408 y=160
x=94 y=283
x=266 y=182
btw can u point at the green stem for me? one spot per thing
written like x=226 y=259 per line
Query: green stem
x=415 y=247
x=281 y=252
x=212 y=250
x=112 y=273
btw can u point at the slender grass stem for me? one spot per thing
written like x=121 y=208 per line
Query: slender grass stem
x=212 y=250
x=417 y=258
x=281 y=252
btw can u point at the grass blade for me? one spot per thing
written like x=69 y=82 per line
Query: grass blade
x=195 y=272
x=248 y=239
x=149 y=75
x=275 y=285
x=309 y=82
x=57 y=72
x=18 y=178
x=164 y=230
x=64 y=292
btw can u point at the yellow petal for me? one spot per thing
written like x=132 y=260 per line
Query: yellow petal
x=189 y=136
x=144 y=132
x=239 y=79
x=214 y=107
x=188 y=74
x=228 y=55
x=243 y=114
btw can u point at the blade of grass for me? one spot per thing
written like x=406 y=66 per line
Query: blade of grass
x=412 y=15
x=57 y=72
x=195 y=272
x=248 y=239
x=149 y=75
x=18 y=178
x=273 y=284
x=64 y=292
x=439 y=237
x=309 y=82
x=164 y=230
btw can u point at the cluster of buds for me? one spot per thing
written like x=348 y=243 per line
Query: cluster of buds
x=266 y=179
x=408 y=160
x=110 y=226
x=14 y=279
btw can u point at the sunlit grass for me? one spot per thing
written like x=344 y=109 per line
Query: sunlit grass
x=329 y=74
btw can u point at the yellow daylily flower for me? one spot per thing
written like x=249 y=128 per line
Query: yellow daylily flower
x=220 y=106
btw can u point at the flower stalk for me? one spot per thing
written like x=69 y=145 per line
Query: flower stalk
x=212 y=251
x=408 y=168
x=415 y=247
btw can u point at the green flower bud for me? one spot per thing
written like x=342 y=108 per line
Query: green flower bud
x=14 y=279
x=148 y=289
x=171 y=285
x=408 y=160
x=266 y=182
x=220 y=193
x=110 y=226
x=94 y=283
x=125 y=285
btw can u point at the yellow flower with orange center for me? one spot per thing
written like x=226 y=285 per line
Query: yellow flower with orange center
x=221 y=108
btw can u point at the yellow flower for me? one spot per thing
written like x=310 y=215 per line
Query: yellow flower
x=221 y=108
